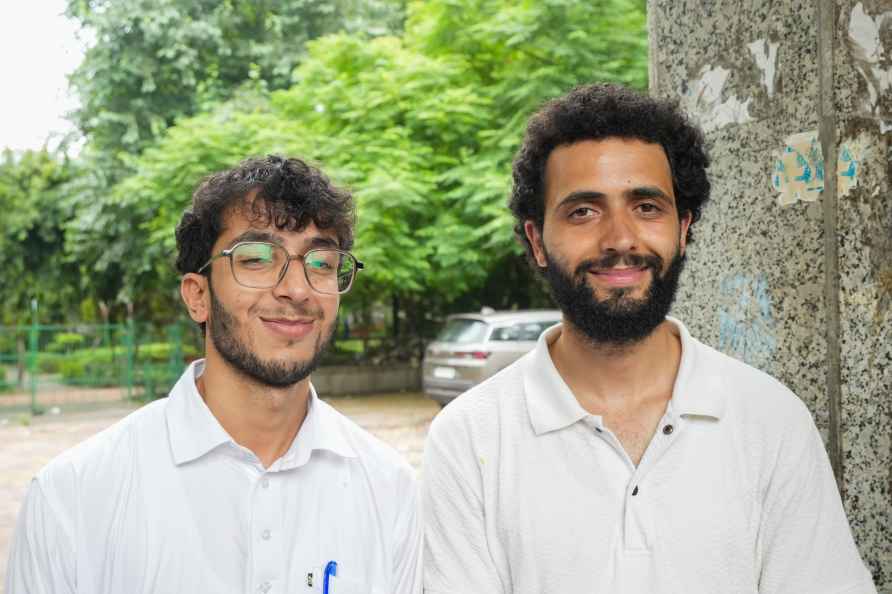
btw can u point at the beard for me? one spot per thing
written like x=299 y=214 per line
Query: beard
x=224 y=333
x=619 y=320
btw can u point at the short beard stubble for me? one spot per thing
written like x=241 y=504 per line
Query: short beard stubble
x=619 y=320
x=223 y=329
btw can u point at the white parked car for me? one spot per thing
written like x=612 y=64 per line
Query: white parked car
x=473 y=347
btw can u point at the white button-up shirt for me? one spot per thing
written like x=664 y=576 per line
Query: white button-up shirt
x=526 y=492
x=166 y=502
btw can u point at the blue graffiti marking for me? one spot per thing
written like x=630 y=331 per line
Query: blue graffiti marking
x=746 y=328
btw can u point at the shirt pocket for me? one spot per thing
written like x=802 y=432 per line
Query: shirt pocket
x=338 y=584
x=345 y=585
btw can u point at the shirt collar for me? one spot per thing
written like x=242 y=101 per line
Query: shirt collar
x=194 y=431
x=322 y=429
x=552 y=405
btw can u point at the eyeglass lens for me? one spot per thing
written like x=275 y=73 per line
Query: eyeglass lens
x=259 y=265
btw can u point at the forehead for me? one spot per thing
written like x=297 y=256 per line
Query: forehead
x=608 y=165
x=242 y=223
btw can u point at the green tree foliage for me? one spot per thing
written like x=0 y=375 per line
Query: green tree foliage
x=154 y=61
x=32 y=255
x=422 y=128
x=421 y=125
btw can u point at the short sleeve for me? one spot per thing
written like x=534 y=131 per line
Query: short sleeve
x=42 y=555
x=457 y=557
x=805 y=544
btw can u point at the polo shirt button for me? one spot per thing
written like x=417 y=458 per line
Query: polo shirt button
x=264 y=587
x=265 y=483
x=668 y=429
x=635 y=491
x=266 y=535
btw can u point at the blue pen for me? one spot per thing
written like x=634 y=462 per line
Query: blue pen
x=331 y=569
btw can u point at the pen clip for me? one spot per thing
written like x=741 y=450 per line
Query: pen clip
x=331 y=569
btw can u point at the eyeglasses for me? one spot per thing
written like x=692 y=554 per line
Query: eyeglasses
x=261 y=265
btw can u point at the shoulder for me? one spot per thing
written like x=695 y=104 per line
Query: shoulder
x=754 y=398
x=98 y=461
x=477 y=417
x=381 y=462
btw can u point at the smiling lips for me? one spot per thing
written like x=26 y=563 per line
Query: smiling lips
x=619 y=277
x=293 y=329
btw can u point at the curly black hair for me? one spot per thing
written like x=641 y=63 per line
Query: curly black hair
x=290 y=194
x=599 y=111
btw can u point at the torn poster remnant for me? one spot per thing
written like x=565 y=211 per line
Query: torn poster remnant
x=798 y=172
x=866 y=36
x=702 y=98
x=765 y=54
x=850 y=162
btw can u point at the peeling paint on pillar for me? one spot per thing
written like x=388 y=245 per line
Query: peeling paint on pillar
x=765 y=54
x=866 y=35
x=705 y=99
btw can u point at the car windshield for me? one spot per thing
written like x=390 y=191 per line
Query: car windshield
x=463 y=330
x=524 y=331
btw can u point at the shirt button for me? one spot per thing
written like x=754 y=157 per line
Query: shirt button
x=264 y=587
x=635 y=491
x=668 y=429
x=266 y=534
x=265 y=483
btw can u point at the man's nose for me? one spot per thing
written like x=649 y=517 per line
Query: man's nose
x=618 y=233
x=294 y=284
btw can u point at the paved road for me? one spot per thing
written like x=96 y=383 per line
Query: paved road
x=401 y=420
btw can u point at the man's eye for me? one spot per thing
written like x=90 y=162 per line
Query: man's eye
x=253 y=261
x=582 y=211
x=649 y=208
x=320 y=265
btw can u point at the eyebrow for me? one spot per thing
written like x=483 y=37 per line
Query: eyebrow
x=591 y=195
x=317 y=241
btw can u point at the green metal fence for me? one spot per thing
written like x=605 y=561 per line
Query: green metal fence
x=48 y=367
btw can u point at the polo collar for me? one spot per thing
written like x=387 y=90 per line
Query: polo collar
x=698 y=389
x=550 y=402
x=194 y=431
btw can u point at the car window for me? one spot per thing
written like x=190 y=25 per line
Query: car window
x=463 y=330
x=521 y=331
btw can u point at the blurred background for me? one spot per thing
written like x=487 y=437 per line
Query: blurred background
x=119 y=108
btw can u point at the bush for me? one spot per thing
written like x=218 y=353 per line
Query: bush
x=65 y=342
x=49 y=362
x=107 y=366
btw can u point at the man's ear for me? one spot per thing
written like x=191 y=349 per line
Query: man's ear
x=195 y=291
x=684 y=223
x=534 y=236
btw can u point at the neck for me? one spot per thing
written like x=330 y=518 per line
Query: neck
x=263 y=419
x=609 y=377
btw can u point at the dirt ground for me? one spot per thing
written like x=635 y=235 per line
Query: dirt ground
x=27 y=444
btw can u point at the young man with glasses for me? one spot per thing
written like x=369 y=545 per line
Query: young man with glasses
x=621 y=454
x=242 y=480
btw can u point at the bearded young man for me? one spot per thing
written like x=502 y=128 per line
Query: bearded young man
x=621 y=454
x=242 y=480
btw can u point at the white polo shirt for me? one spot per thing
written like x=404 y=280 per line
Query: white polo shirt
x=525 y=492
x=166 y=502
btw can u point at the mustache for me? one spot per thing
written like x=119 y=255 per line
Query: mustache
x=612 y=260
x=295 y=311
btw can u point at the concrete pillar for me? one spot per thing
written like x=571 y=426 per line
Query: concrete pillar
x=791 y=265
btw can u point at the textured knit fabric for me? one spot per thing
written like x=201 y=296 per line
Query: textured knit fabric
x=166 y=502
x=525 y=492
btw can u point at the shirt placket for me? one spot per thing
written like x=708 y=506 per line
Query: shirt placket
x=637 y=524
x=266 y=535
